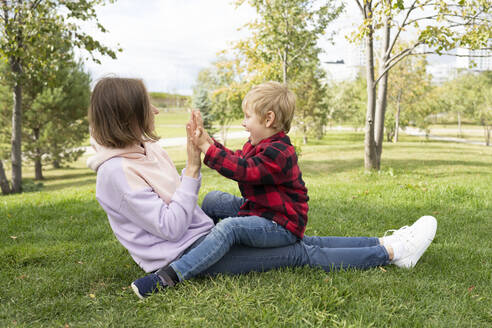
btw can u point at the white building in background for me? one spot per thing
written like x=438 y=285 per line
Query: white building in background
x=349 y=60
x=476 y=60
x=442 y=72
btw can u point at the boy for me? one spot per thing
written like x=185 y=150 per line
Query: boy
x=273 y=211
x=266 y=168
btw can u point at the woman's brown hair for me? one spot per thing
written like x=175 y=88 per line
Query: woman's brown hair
x=120 y=113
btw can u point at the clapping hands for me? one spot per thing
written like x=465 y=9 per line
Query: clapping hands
x=199 y=135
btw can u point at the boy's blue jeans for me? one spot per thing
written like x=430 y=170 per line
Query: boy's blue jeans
x=252 y=231
x=327 y=253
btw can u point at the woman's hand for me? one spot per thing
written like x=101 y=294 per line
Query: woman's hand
x=194 y=159
x=200 y=137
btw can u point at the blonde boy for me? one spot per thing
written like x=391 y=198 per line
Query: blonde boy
x=266 y=168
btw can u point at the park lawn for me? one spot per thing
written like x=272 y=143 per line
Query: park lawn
x=469 y=131
x=171 y=124
x=62 y=266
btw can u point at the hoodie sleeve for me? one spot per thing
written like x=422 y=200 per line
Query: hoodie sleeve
x=168 y=221
x=143 y=207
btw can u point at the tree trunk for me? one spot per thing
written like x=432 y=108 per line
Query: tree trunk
x=487 y=134
x=304 y=135
x=284 y=67
x=4 y=183
x=38 y=169
x=56 y=164
x=382 y=93
x=397 y=116
x=460 y=133
x=370 y=155
x=38 y=165
x=16 y=133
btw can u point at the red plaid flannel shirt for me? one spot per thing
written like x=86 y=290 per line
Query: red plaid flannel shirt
x=269 y=179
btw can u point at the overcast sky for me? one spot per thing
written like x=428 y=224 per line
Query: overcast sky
x=166 y=43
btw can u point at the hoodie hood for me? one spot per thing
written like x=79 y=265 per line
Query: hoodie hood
x=102 y=154
x=144 y=166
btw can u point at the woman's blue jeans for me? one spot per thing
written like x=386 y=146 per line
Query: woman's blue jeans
x=328 y=253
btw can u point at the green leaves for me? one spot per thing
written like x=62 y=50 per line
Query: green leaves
x=285 y=34
x=38 y=38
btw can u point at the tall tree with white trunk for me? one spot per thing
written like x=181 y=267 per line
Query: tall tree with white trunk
x=439 y=26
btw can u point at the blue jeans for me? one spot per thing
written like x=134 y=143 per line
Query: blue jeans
x=328 y=253
x=253 y=231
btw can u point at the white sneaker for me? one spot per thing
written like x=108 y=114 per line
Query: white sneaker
x=413 y=241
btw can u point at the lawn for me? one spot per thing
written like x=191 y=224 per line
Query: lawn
x=62 y=266
x=171 y=124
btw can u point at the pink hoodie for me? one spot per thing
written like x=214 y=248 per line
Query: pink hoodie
x=152 y=210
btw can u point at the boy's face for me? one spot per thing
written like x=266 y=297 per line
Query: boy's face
x=256 y=128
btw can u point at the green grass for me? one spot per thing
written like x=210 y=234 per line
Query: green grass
x=61 y=264
x=171 y=124
x=469 y=131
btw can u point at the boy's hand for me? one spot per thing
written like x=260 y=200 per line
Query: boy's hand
x=200 y=137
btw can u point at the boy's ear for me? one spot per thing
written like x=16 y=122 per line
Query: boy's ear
x=270 y=119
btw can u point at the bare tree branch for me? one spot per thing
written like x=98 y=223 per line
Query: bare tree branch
x=35 y=3
x=395 y=60
x=410 y=22
x=360 y=6
x=390 y=48
x=454 y=55
x=300 y=52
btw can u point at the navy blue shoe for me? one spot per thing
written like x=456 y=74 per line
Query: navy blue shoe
x=147 y=285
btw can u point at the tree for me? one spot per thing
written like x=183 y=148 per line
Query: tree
x=5 y=118
x=220 y=89
x=439 y=25
x=407 y=86
x=283 y=47
x=285 y=35
x=312 y=109
x=347 y=101
x=56 y=123
x=483 y=112
x=470 y=95
x=23 y=22
x=201 y=99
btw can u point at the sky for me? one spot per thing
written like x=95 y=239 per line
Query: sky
x=166 y=43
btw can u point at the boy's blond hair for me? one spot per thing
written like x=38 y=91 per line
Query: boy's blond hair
x=275 y=97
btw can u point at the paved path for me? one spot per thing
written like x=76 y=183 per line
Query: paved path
x=181 y=141
x=417 y=132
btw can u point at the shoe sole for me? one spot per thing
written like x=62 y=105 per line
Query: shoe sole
x=432 y=225
x=137 y=292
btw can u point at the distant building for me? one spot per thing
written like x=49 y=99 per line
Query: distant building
x=352 y=61
x=476 y=60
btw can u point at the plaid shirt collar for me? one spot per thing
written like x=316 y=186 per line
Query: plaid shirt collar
x=277 y=136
